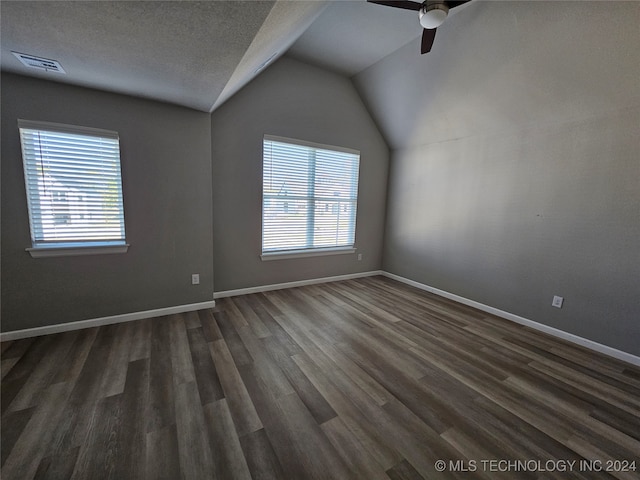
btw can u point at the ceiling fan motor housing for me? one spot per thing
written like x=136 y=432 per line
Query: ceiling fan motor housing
x=433 y=13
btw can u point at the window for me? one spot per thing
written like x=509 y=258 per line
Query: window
x=309 y=197
x=74 y=189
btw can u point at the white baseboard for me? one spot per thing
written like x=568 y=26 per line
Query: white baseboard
x=590 y=344
x=97 y=322
x=300 y=283
x=128 y=317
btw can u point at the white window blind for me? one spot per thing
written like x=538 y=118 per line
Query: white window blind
x=74 y=187
x=309 y=195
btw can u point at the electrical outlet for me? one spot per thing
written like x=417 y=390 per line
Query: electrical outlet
x=557 y=301
x=195 y=279
x=359 y=256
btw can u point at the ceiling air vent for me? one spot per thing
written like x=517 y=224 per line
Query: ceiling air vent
x=39 y=63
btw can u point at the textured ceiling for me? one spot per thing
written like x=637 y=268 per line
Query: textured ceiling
x=285 y=23
x=195 y=54
x=180 y=52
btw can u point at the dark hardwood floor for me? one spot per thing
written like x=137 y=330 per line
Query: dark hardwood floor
x=361 y=379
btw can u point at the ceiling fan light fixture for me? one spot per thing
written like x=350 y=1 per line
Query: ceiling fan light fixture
x=433 y=13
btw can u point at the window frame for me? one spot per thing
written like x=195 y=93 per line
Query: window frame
x=310 y=251
x=60 y=247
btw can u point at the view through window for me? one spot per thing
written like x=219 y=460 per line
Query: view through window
x=74 y=186
x=309 y=195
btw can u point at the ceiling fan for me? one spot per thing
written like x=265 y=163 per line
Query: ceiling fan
x=431 y=13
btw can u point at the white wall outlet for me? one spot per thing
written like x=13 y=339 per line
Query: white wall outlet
x=195 y=279
x=557 y=301
x=359 y=256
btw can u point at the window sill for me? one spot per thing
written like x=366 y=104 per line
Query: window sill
x=73 y=250
x=315 y=252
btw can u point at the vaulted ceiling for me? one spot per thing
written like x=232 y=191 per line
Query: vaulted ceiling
x=195 y=54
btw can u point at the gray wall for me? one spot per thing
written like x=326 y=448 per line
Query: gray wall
x=166 y=170
x=295 y=100
x=515 y=166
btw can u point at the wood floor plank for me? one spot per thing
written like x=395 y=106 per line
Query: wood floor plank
x=251 y=317
x=239 y=352
x=210 y=328
x=313 y=400
x=21 y=371
x=630 y=372
x=4 y=346
x=205 y=371
x=318 y=457
x=98 y=456
x=141 y=340
x=266 y=407
x=241 y=355
x=551 y=355
x=195 y=455
x=589 y=451
x=357 y=418
x=292 y=431
x=368 y=308
x=624 y=422
x=243 y=411
x=404 y=471
x=264 y=301
x=78 y=409
x=418 y=443
x=516 y=402
x=553 y=402
x=379 y=339
x=626 y=399
x=275 y=379
x=132 y=434
x=181 y=360
x=12 y=426
x=118 y=361
x=58 y=467
x=191 y=320
x=357 y=375
x=228 y=458
x=434 y=411
x=161 y=409
x=223 y=321
x=283 y=338
x=8 y=364
x=331 y=358
x=530 y=442
x=233 y=313
x=31 y=445
x=40 y=377
x=261 y=459
x=162 y=458
x=362 y=378
x=17 y=348
x=352 y=451
x=470 y=449
x=71 y=365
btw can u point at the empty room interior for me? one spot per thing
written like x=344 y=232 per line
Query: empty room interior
x=295 y=239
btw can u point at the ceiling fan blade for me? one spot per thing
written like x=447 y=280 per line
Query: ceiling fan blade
x=428 y=35
x=398 y=4
x=452 y=4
